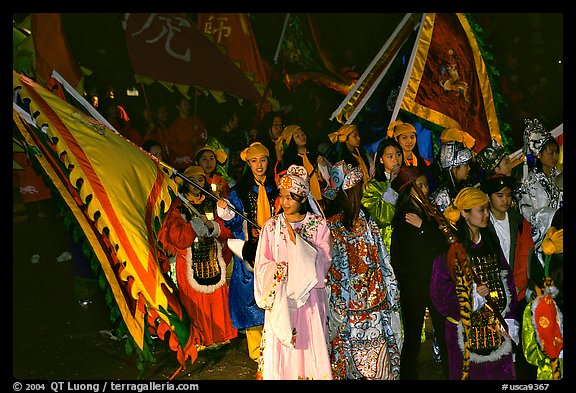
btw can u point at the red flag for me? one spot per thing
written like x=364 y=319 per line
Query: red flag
x=449 y=83
x=169 y=48
x=52 y=49
x=234 y=32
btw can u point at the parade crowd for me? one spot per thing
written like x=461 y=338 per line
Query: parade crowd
x=328 y=258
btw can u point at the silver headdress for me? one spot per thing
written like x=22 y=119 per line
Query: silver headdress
x=454 y=153
x=535 y=137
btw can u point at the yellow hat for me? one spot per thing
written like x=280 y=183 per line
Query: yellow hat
x=467 y=198
x=190 y=171
x=454 y=134
x=342 y=134
x=254 y=150
x=397 y=128
x=220 y=154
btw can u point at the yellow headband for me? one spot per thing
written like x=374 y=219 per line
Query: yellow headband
x=398 y=128
x=454 y=134
x=190 y=171
x=342 y=134
x=553 y=243
x=467 y=198
x=254 y=150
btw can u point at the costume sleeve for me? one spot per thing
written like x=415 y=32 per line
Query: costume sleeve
x=323 y=244
x=178 y=232
x=534 y=355
x=508 y=280
x=443 y=289
x=235 y=224
x=380 y=210
x=269 y=274
x=225 y=233
x=524 y=244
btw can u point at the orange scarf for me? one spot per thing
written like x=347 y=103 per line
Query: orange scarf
x=314 y=183
x=412 y=161
x=263 y=208
x=362 y=166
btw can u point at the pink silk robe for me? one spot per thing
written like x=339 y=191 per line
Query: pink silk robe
x=303 y=354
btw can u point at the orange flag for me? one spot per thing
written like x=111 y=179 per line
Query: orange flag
x=234 y=32
x=52 y=49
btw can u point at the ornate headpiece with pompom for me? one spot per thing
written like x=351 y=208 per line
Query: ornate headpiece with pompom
x=342 y=176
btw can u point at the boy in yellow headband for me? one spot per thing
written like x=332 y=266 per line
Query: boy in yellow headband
x=472 y=286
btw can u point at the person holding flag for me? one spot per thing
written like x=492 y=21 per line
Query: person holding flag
x=254 y=196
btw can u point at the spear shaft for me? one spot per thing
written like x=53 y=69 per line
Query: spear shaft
x=175 y=172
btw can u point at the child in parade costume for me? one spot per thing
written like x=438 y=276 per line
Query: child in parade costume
x=416 y=241
x=211 y=161
x=543 y=328
x=494 y=160
x=253 y=196
x=364 y=317
x=347 y=141
x=208 y=159
x=292 y=260
x=454 y=164
x=539 y=196
x=379 y=198
x=514 y=234
x=473 y=288
x=405 y=134
x=193 y=233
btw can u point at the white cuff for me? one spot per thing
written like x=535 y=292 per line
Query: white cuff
x=479 y=301
x=199 y=227
x=390 y=195
x=513 y=329
x=225 y=214
x=215 y=231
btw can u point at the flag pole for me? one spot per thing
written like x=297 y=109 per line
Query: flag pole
x=276 y=55
x=175 y=172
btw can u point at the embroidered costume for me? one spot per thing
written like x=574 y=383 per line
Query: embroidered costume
x=479 y=331
x=364 y=317
x=200 y=269
x=294 y=339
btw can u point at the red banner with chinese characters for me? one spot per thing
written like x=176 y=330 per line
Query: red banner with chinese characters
x=234 y=32
x=170 y=48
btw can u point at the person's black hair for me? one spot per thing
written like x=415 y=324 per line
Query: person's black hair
x=350 y=203
x=342 y=153
x=380 y=169
x=538 y=164
x=247 y=181
x=304 y=204
x=405 y=203
x=291 y=157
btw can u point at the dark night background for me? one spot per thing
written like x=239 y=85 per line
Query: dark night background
x=527 y=50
